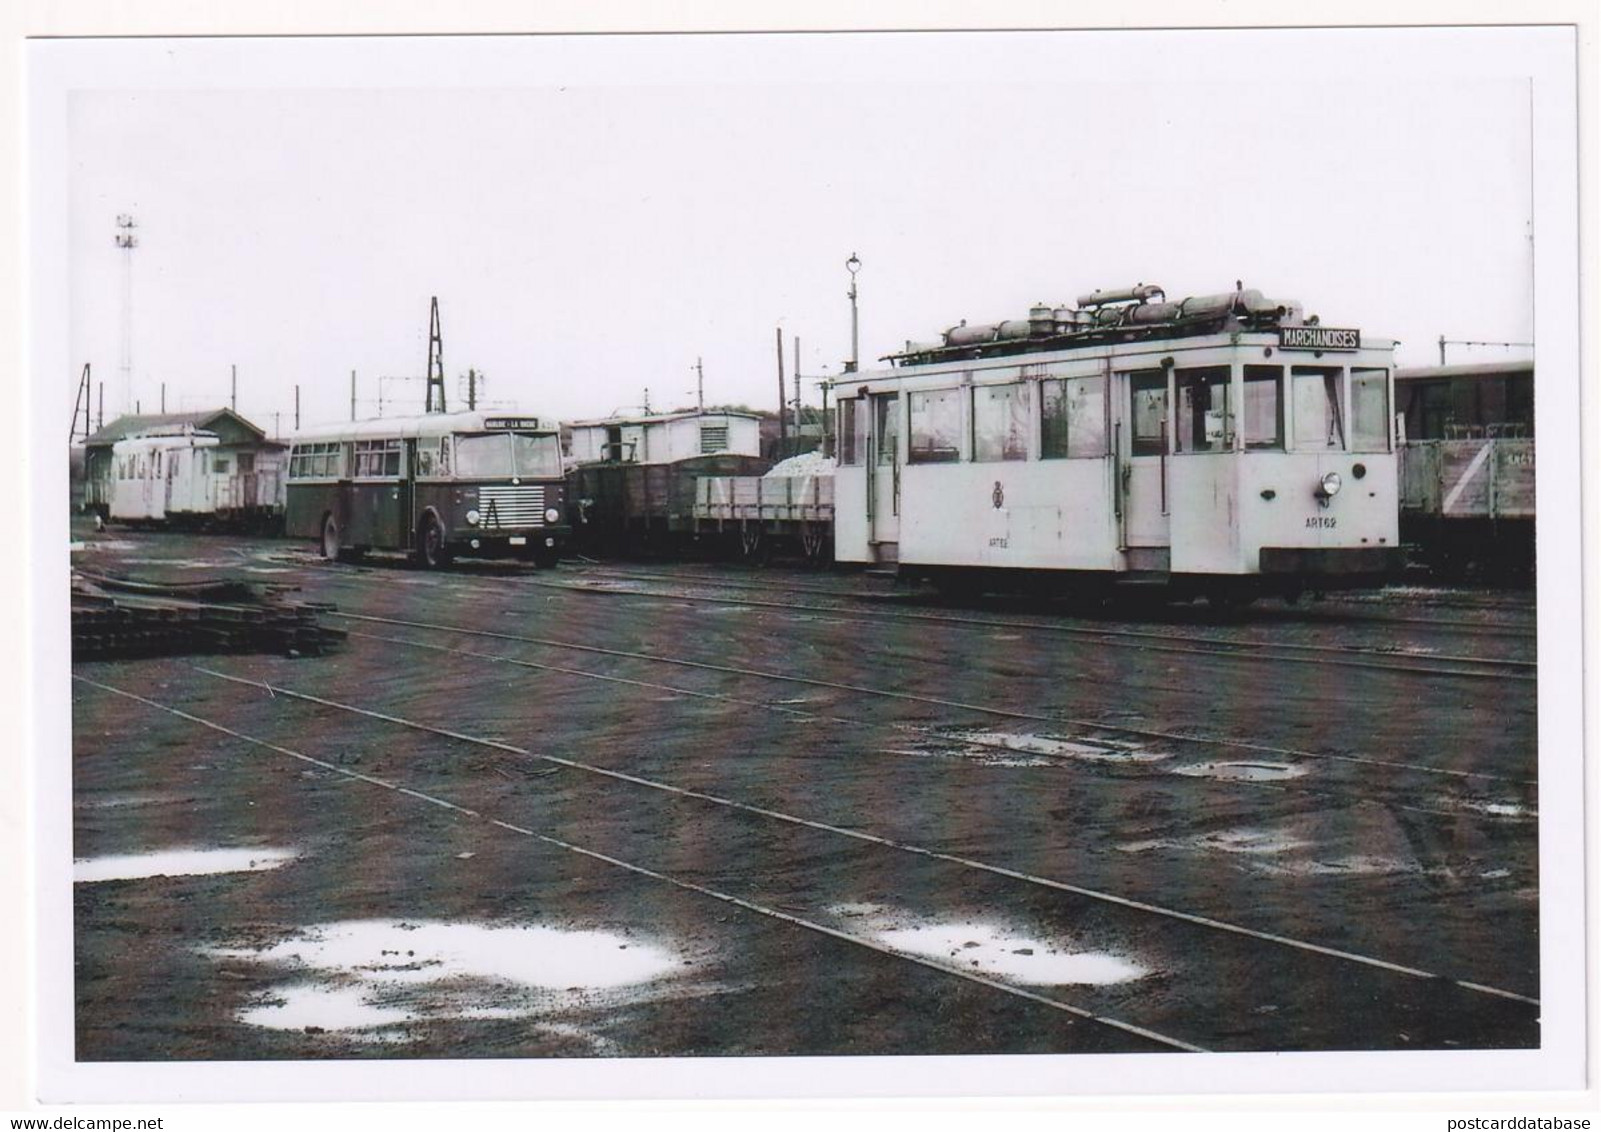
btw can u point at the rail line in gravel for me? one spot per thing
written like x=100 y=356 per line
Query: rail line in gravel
x=1287 y=615
x=934 y=701
x=1163 y=1040
x=1099 y=895
x=1350 y=656
x=1065 y=760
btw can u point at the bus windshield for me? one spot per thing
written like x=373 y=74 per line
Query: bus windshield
x=502 y=455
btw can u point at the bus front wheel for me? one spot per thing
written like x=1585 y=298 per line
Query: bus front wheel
x=432 y=553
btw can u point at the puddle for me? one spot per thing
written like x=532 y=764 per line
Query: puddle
x=371 y=974
x=178 y=862
x=1242 y=771
x=983 y=756
x=121 y=801
x=1495 y=809
x=1360 y=865
x=179 y=563
x=305 y=1006
x=988 y=950
x=1252 y=841
x=1108 y=751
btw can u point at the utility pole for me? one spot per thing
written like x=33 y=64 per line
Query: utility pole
x=352 y=394
x=700 y=387
x=783 y=417
x=436 y=360
x=297 y=406
x=163 y=396
x=100 y=416
x=233 y=396
x=797 y=392
x=853 y=265
x=127 y=241
x=647 y=400
x=472 y=388
x=81 y=401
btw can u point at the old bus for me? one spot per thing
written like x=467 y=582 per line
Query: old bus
x=435 y=485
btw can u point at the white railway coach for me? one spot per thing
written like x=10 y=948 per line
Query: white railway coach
x=162 y=478
x=1224 y=446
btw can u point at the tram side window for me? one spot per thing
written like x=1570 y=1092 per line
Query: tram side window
x=936 y=435
x=1148 y=405
x=1319 y=404
x=886 y=407
x=426 y=459
x=1370 y=410
x=1073 y=417
x=852 y=430
x=1264 y=407
x=1206 y=423
x=1000 y=422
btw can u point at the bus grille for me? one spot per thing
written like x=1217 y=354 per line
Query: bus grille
x=521 y=506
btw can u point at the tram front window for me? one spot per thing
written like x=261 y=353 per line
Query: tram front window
x=1205 y=423
x=1319 y=403
x=1264 y=408
x=1370 y=410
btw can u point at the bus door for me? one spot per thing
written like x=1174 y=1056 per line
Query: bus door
x=407 y=503
x=1144 y=472
x=884 y=478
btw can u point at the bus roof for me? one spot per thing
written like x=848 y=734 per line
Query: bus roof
x=428 y=424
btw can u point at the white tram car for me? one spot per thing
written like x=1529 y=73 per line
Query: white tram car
x=184 y=478
x=1223 y=446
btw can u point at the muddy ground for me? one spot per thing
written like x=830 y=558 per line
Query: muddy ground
x=1110 y=827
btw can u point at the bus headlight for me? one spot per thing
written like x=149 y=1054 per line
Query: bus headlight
x=472 y=517
x=552 y=515
x=1328 y=486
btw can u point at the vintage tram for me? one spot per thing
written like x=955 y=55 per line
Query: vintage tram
x=185 y=477
x=486 y=484
x=1223 y=446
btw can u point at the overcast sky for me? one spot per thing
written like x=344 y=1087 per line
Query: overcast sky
x=595 y=213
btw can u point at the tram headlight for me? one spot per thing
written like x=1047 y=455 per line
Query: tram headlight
x=552 y=515
x=1329 y=485
x=472 y=517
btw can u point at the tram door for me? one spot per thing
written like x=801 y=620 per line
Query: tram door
x=1144 y=473
x=884 y=478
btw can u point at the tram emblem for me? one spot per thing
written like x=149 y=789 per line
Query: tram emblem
x=998 y=496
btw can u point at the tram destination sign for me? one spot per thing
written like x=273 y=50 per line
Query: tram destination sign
x=530 y=423
x=1319 y=338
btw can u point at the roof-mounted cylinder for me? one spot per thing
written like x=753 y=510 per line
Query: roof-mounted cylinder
x=1139 y=293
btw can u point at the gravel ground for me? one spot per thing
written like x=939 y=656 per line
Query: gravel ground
x=1332 y=805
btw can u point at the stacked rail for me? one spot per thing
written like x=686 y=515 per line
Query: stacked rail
x=117 y=618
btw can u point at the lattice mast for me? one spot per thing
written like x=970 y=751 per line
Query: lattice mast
x=436 y=361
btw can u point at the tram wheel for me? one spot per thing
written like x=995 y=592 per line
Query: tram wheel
x=432 y=553
x=330 y=538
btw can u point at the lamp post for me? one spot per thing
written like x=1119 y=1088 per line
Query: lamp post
x=853 y=265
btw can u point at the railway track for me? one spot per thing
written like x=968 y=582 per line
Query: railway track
x=1093 y=735
x=1170 y=615
x=1398 y=990
x=1251 y=651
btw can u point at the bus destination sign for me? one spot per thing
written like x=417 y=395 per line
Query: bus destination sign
x=1318 y=338
x=531 y=423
